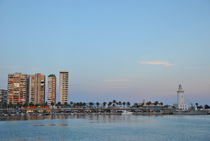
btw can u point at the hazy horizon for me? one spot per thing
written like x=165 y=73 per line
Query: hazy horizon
x=122 y=50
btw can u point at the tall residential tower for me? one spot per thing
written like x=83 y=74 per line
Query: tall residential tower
x=18 y=88
x=52 y=89
x=64 y=85
x=38 y=88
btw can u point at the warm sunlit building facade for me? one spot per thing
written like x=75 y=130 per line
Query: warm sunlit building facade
x=51 y=89
x=64 y=85
x=38 y=89
x=18 y=88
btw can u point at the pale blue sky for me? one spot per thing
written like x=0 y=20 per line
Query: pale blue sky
x=111 y=48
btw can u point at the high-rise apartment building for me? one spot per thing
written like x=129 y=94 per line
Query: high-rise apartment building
x=64 y=85
x=3 y=96
x=38 y=88
x=51 y=89
x=18 y=88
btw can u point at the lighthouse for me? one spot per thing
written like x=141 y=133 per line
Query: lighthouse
x=180 y=99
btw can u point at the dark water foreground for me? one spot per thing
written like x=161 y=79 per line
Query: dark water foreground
x=106 y=128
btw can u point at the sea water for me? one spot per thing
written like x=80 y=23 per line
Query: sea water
x=107 y=128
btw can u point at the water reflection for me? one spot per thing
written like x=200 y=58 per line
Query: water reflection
x=58 y=125
x=93 y=127
x=92 y=118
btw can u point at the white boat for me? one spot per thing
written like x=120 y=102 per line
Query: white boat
x=125 y=112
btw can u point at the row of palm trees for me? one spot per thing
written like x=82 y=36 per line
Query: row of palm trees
x=201 y=106
x=113 y=103
x=19 y=105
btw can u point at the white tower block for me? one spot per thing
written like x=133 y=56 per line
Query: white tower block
x=180 y=99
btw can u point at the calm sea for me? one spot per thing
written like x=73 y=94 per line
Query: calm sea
x=107 y=128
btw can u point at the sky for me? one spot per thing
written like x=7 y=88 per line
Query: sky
x=114 y=49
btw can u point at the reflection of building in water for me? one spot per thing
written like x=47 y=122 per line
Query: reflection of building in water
x=180 y=99
x=64 y=116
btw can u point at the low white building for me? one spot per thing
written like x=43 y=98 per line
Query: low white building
x=180 y=99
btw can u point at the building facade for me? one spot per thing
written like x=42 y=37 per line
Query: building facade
x=180 y=99
x=64 y=86
x=3 y=96
x=51 y=89
x=18 y=88
x=38 y=89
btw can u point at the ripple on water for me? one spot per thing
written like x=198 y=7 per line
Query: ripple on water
x=51 y=125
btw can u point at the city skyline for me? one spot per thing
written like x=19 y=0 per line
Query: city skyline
x=113 y=50
x=36 y=89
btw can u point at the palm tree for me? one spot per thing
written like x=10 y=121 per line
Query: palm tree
x=58 y=104
x=149 y=103
x=114 y=101
x=31 y=104
x=80 y=104
x=200 y=107
x=25 y=105
x=120 y=103
x=124 y=103
x=77 y=105
x=10 y=105
x=36 y=105
x=4 y=105
x=91 y=104
x=206 y=106
x=135 y=105
x=117 y=103
x=84 y=104
x=74 y=105
x=66 y=103
x=45 y=104
x=104 y=104
x=97 y=103
x=156 y=103
x=71 y=104
x=196 y=104
x=109 y=104
x=18 y=105
x=128 y=104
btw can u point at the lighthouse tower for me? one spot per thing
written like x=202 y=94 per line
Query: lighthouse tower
x=180 y=99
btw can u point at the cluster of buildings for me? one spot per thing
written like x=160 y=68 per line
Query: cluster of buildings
x=25 y=89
